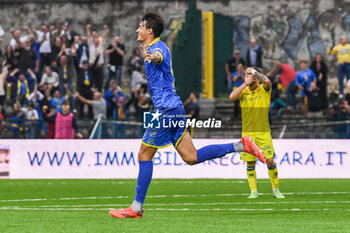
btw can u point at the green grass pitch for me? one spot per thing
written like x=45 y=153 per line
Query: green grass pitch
x=196 y=205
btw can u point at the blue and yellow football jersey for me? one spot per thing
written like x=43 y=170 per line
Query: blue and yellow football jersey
x=160 y=78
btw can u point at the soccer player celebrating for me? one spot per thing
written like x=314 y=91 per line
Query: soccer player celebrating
x=167 y=103
x=255 y=103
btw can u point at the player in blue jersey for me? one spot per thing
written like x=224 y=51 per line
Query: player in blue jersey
x=168 y=106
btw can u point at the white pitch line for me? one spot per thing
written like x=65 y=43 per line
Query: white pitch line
x=210 y=203
x=153 y=182
x=162 y=209
x=175 y=196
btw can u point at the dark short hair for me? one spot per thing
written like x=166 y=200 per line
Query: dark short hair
x=65 y=102
x=196 y=94
x=154 y=21
x=302 y=61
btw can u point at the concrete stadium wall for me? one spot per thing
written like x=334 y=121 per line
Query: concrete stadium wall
x=287 y=30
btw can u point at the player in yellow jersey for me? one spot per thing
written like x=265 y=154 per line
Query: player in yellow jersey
x=254 y=96
x=343 y=55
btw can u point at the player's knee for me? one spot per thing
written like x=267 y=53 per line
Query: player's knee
x=191 y=161
x=144 y=155
x=270 y=162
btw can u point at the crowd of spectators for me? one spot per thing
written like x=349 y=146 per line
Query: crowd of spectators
x=51 y=76
x=310 y=79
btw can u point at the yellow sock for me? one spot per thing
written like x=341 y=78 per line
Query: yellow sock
x=251 y=173
x=273 y=174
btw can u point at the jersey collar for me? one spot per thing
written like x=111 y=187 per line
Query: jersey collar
x=153 y=42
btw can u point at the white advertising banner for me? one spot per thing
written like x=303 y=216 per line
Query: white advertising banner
x=118 y=159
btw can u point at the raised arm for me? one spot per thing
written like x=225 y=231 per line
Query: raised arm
x=263 y=78
x=332 y=51
x=31 y=73
x=30 y=27
x=82 y=99
x=88 y=31
x=235 y=93
x=105 y=31
x=4 y=71
x=154 y=57
x=11 y=77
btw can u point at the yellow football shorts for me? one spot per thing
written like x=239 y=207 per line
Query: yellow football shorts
x=262 y=140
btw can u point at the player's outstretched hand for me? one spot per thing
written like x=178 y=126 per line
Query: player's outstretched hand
x=146 y=54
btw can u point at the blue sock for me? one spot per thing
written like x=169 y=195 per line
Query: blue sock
x=143 y=180
x=214 y=151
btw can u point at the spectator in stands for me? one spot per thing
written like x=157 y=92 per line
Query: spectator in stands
x=99 y=108
x=84 y=86
x=110 y=94
x=97 y=63
x=51 y=78
x=116 y=52
x=98 y=104
x=50 y=118
x=82 y=52
x=341 y=112
x=254 y=55
x=231 y=67
x=138 y=81
x=96 y=56
x=238 y=76
x=76 y=41
x=35 y=47
x=66 y=124
x=3 y=77
x=16 y=37
x=93 y=34
x=57 y=50
x=17 y=122
x=141 y=105
x=36 y=97
x=10 y=57
x=320 y=69
x=192 y=105
x=31 y=116
x=120 y=114
x=65 y=73
x=314 y=99
x=21 y=83
x=286 y=73
x=343 y=55
x=237 y=81
x=45 y=50
x=281 y=75
x=57 y=100
x=298 y=83
x=67 y=34
x=135 y=60
x=26 y=58
x=44 y=95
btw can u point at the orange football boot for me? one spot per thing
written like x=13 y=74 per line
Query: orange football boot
x=125 y=213
x=251 y=148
